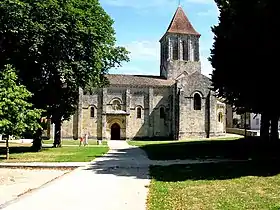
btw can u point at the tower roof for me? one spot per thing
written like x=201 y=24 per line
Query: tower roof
x=180 y=24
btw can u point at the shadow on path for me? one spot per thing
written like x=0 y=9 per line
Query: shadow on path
x=246 y=157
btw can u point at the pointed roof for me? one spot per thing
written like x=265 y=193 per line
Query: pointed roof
x=180 y=24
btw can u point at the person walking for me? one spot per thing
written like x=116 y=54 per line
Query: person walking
x=86 y=139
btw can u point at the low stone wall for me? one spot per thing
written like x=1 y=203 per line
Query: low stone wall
x=241 y=132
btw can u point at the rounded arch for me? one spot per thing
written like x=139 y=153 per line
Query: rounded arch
x=92 y=110
x=116 y=104
x=139 y=106
x=162 y=111
x=115 y=120
x=139 y=112
x=197 y=92
x=197 y=101
x=116 y=99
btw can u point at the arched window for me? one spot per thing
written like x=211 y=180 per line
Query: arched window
x=185 y=50
x=162 y=113
x=139 y=113
x=220 y=117
x=175 y=50
x=116 y=105
x=92 y=112
x=197 y=102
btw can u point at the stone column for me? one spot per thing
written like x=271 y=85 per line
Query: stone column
x=181 y=51
x=127 y=104
x=151 y=117
x=103 y=116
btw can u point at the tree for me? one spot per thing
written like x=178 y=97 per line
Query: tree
x=244 y=59
x=57 y=48
x=16 y=112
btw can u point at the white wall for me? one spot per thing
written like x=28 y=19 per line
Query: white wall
x=256 y=123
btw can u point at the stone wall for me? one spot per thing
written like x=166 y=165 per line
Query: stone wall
x=186 y=48
x=179 y=116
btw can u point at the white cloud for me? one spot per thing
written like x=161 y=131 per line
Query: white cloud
x=143 y=50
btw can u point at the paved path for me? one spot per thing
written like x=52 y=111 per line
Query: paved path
x=116 y=181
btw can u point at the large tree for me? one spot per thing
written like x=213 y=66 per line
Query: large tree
x=244 y=58
x=58 y=47
x=17 y=114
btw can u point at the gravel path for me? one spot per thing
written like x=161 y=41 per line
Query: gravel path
x=14 y=182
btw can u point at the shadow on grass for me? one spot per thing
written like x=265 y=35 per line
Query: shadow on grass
x=19 y=150
x=248 y=157
x=15 y=150
x=214 y=171
x=242 y=149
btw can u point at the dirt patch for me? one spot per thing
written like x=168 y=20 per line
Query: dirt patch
x=16 y=182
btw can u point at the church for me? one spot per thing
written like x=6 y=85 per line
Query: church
x=175 y=105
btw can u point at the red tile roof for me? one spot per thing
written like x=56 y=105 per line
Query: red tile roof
x=180 y=24
x=139 y=80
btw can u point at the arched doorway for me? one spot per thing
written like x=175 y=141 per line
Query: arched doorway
x=115 y=132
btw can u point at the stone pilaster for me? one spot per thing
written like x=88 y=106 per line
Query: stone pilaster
x=182 y=103
x=174 y=116
x=151 y=108
x=213 y=115
x=127 y=104
x=103 y=116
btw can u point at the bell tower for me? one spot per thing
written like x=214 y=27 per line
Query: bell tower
x=179 y=48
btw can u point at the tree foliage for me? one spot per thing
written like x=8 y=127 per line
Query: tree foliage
x=58 y=47
x=17 y=114
x=243 y=55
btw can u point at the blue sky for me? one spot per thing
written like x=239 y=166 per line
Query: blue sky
x=139 y=24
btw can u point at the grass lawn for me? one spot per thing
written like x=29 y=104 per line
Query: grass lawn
x=143 y=143
x=227 y=186
x=242 y=149
x=74 y=142
x=65 y=154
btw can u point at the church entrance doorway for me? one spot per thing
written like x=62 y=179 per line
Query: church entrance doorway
x=115 y=132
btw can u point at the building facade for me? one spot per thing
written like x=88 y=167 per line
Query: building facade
x=178 y=104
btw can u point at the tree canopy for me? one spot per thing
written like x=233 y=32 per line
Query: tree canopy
x=17 y=114
x=58 y=47
x=243 y=55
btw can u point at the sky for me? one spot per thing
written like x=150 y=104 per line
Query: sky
x=139 y=25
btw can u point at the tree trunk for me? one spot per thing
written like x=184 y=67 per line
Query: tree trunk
x=274 y=128
x=264 y=132
x=57 y=133
x=37 y=140
x=7 y=149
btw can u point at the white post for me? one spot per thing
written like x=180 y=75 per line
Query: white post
x=0 y=137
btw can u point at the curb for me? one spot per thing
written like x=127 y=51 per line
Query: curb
x=44 y=165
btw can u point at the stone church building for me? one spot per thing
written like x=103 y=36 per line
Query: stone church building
x=178 y=104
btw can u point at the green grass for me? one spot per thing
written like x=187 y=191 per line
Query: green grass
x=74 y=142
x=64 y=154
x=244 y=149
x=227 y=186
x=143 y=143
